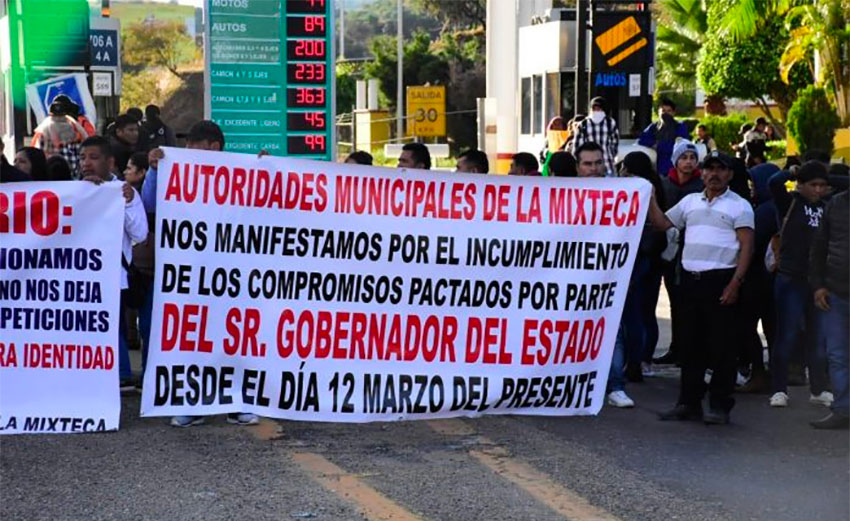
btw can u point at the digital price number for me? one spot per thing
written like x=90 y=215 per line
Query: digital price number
x=307 y=77
x=310 y=144
x=270 y=85
x=306 y=121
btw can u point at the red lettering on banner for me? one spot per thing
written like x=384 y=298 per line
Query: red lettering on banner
x=177 y=327
x=496 y=202
x=247 y=187
x=606 y=207
x=482 y=336
x=343 y=335
x=243 y=329
x=397 y=197
x=574 y=341
x=41 y=210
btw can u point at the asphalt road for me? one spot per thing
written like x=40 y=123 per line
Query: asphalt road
x=622 y=465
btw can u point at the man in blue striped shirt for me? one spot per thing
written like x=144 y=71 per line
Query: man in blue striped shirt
x=718 y=247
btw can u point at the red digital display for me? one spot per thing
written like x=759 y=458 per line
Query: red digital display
x=305 y=26
x=305 y=72
x=305 y=121
x=305 y=6
x=305 y=50
x=297 y=97
x=311 y=144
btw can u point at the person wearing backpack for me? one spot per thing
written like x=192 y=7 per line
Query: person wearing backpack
x=801 y=212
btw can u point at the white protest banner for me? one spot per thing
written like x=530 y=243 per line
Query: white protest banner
x=60 y=247
x=319 y=291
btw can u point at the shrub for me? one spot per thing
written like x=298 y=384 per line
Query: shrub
x=724 y=130
x=812 y=120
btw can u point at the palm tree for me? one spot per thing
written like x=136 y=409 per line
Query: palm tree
x=682 y=26
x=819 y=32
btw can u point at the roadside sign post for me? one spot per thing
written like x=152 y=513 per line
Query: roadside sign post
x=269 y=75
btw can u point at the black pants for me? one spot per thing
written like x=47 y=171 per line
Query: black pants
x=673 y=285
x=707 y=334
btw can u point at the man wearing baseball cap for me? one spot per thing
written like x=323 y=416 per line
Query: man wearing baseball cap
x=601 y=129
x=717 y=251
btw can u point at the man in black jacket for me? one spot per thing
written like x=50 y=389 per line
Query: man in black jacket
x=828 y=261
x=801 y=212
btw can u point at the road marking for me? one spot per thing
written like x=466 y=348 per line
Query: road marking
x=267 y=430
x=540 y=486
x=451 y=427
x=372 y=504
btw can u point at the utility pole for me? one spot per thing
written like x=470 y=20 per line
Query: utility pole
x=580 y=104
x=399 y=95
x=341 y=29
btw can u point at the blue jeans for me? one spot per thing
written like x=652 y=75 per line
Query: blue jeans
x=795 y=317
x=617 y=375
x=835 y=334
x=125 y=372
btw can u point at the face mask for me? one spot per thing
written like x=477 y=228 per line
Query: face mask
x=597 y=116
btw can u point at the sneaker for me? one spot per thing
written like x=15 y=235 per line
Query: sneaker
x=186 y=421
x=741 y=380
x=647 y=370
x=825 y=398
x=758 y=383
x=832 y=421
x=682 y=412
x=716 y=417
x=127 y=384
x=620 y=399
x=243 y=418
x=779 y=399
x=667 y=358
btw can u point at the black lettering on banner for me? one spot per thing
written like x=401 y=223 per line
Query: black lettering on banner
x=179 y=385
x=253 y=387
x=589 y=297
x=558 y=392
x=299 y=393
x=183 y=235
x=334 y=388
x=77 y=259
x=176 y=279
x=220 y=282
x=470 y=394
x=402 y=394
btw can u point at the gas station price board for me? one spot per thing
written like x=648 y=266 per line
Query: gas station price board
x=270 y=75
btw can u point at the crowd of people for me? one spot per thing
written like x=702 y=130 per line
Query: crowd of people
x=737 y=241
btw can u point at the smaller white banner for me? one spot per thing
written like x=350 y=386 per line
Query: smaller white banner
x=59 y=303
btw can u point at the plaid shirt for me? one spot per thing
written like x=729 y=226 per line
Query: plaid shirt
x=605 y=134
x=47 y=138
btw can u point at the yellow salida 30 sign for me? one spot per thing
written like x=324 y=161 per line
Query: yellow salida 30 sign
x=426 y=111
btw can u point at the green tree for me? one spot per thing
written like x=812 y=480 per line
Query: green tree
x=812 y=120
x=682 y=26
x=158 y=43
x=421 y=66
x=748 y=68
x=455 y=14
x=816 y=25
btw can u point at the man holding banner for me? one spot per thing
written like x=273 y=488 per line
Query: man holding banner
x=97 y=165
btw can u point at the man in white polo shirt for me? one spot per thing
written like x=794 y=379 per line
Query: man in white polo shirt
x=717 y=251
